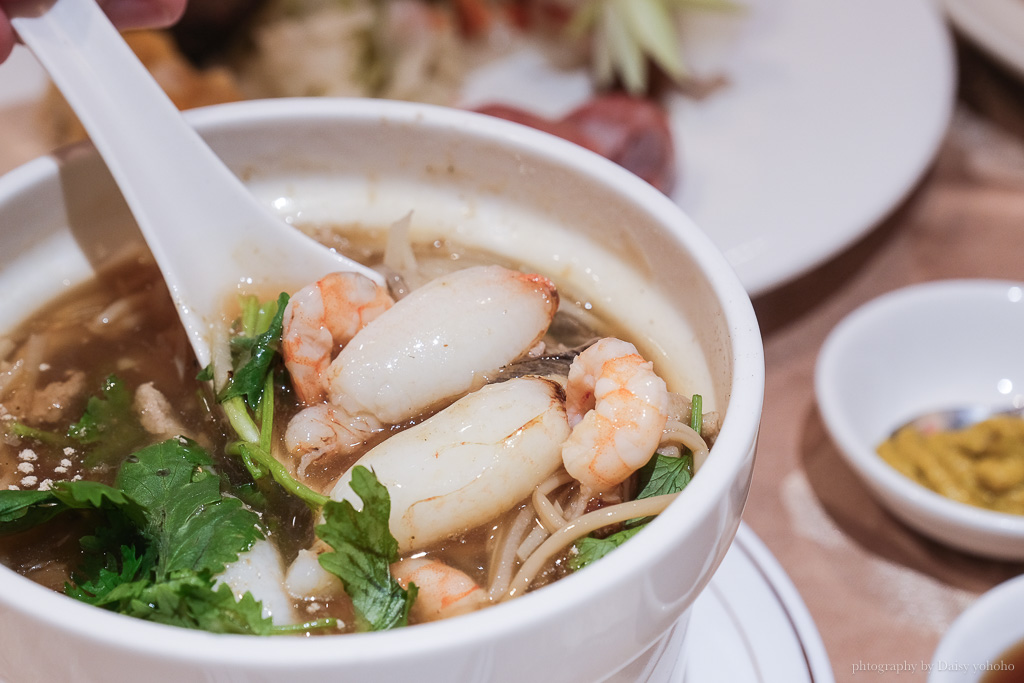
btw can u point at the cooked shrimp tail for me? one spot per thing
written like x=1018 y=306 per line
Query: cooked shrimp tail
x=325 y=429
x=320 y=318
x=443 y=591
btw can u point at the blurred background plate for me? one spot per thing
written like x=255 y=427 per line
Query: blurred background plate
x=831 y=112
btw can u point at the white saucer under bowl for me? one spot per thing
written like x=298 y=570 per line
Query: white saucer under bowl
x=751 y=625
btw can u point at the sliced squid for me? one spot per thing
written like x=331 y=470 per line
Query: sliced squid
x=462 y=467
x=433 y=344
x=469 y=463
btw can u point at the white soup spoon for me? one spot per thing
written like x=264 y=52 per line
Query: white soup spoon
x=208 y=233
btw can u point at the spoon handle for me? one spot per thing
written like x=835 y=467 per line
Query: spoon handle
x=189 y=206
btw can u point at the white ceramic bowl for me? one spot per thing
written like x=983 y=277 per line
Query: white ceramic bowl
x=914 y=350
x=977 y=640
x=558 y=208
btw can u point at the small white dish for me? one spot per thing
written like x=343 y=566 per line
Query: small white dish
x=918 y=349
x=977 y=640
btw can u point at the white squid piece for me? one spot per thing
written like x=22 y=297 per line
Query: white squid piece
x=438 y=339
x=469 y=463
x=429 y=348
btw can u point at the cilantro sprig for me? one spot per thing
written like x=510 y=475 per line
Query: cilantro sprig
x=248 y=398
x=363 y=552
x=160 y=536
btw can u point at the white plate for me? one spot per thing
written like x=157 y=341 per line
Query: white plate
x=751 y=625
x=997 y=26
x=832 y=112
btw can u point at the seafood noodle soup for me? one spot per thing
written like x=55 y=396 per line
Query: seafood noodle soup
x=442 y=451
x=468 y=395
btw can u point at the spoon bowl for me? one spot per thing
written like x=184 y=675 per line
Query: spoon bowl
x=210 y=237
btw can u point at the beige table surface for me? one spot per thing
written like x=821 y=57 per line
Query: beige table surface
x=879 y=593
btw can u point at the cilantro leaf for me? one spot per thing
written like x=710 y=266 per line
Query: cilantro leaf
x=108 y=429
x=162 y=534
x=169 y=530
x=110 y=579
x=191 y=523
x=664 y=474
x=109 y=425
x=190 y=600
x=590 y=549
x=257 y=355
x=363 y=552
x=22 y=510
x=89 y=494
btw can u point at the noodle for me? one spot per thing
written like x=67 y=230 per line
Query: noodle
x=537 y=536
x=684 y=434
x=504 y=555
x=548 y=514
x=25 y=369
x=588 y=523
x=579 y=503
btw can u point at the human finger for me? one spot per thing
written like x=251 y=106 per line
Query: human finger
x=6 y=36
x=129 y=14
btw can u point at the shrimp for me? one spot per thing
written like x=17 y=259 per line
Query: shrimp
x=431 y=347
x=618 y=409
x=443 y=591
x=322 y=316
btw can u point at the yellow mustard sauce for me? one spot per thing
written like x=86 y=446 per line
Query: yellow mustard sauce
x=981 y=465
